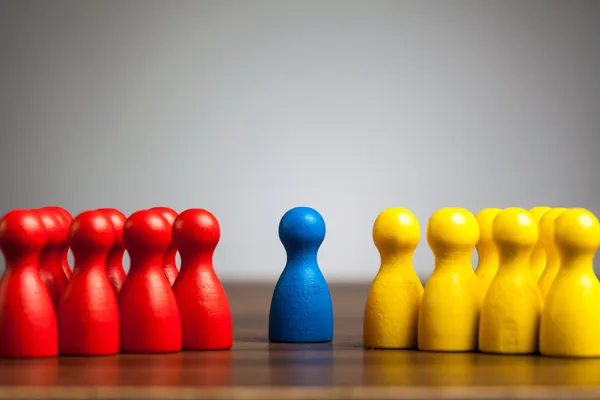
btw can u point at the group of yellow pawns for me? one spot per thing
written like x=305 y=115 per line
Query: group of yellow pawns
x=534 y=288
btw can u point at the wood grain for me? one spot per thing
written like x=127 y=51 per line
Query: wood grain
x=256 y=369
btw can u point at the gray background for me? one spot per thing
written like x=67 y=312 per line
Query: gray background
x=249 y=108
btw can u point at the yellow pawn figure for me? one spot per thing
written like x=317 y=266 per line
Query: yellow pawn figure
x=538 y=255
x=570 y=324
x=510 y=315
x=392 y=306
x=451 y=302
x=546 y=228
x=487 y=253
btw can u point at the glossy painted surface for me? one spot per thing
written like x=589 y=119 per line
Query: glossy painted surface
x=203 y=304
x=546 y=229
x=149 y=317
x=27 y=317
x=114 y=261
x=538 y=255
x=301 y=310
x=88 y=315
x=451 y=303
x=510 y=315
x=66 y=219
x=487 y=252
x=170 y=258
x=570 y=325
x=392 y=306
x=50 y=262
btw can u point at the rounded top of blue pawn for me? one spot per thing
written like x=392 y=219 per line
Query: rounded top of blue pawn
x=302 y=228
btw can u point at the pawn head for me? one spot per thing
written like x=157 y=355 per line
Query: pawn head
x=452 y=230
x=91 y=229
x=57 y=232
x=21 y=230
x=485 y=220
x=396 y=229
x=515 y=228
x=196 y=229
x=302 y=227
x=118 y=220
x=577 y=230
x=62 y=211
x=546 y=226
x=538 y=212
x=167 y=212
x=146 y=230
x=65 y=221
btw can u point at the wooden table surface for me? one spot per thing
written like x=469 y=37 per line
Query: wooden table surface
x=256 y=369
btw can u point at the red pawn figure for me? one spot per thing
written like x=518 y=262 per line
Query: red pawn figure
x=50 y=262
x=66 y=219
x=170 y=258
x=114 y=262
x=88 y=314
x=150 y=320
x=205 y=314
x=27 y=317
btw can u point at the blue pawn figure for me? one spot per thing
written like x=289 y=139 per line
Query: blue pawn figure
x=301 y=309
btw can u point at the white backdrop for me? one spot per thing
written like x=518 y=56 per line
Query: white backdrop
x=249 y=108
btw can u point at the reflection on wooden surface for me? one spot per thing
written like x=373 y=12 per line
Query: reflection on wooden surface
x=36 y=372
x=88 y=371
x=303 y=365
x=146 y=370
x=257 y=369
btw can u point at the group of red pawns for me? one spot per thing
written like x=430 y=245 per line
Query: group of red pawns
x=48 y=309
